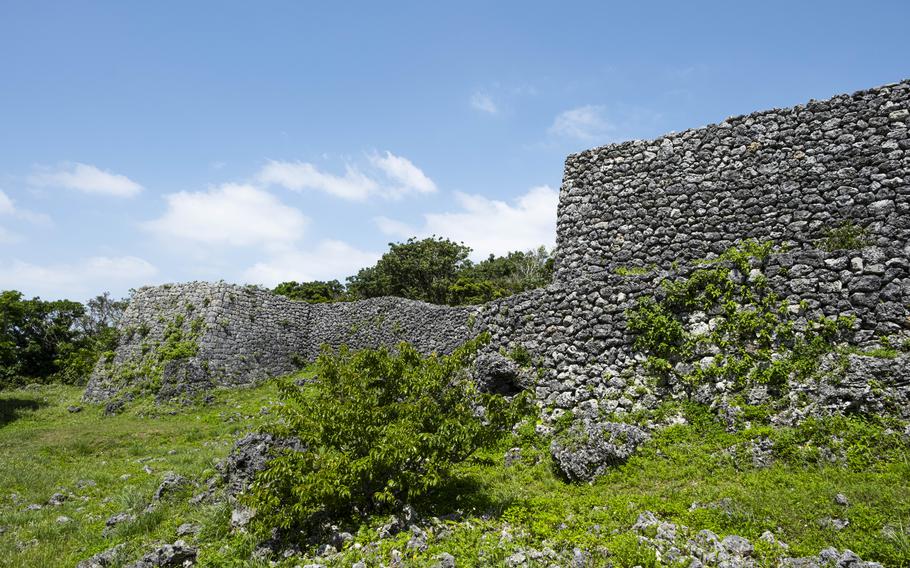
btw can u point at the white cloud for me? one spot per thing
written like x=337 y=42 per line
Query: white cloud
x=88 y=179
x=9 y=208
x=393 y=178
x=77 y=281
x=598 y=124
x=584 y=123
x=489 y=225
x=330 y=259
x=408 y=177
x=6 y=204
x=232 y=215
x=8 y=237
x=484 y=103
x=394 y=228
x=299 y=176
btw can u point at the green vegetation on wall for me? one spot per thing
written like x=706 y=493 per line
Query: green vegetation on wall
x=744 y=333
x=846 y=236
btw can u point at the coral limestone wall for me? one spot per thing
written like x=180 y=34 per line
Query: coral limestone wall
x=783 y=174
x=631 y=216
x=185 y=338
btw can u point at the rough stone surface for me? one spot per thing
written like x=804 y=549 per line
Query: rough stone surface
x=497 y=374
x=247 y=458
x=106 y=559
x=244 y=334
x=590 y=447
x=174 y=555
x=114 y=520
x=785 y=174
x=171 y=483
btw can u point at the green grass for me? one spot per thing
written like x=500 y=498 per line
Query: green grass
x=45 y=449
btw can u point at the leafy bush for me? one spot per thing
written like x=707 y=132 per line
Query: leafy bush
x=753 y=337
x=378 y=428
x=434 y=270
x=315 y=292
x=438 y=270
x=845 y=237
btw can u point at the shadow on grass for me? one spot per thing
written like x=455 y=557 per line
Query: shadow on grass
x=11 y=408
x=459 y=494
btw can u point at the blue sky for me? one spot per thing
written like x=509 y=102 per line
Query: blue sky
x=262 y=141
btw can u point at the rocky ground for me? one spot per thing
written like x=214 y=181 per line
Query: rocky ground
x=156 y=486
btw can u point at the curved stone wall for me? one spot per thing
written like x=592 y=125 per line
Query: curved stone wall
x=785 y=175
x=782 y=174
x=238 y=335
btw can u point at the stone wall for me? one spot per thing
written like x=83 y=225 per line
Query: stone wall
x=578 y=332
x=245 y=334
x=782 y=174
x=785 y=175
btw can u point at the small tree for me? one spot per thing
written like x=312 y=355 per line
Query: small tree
x=378 y=427
x=417 y=269
x=314 y=292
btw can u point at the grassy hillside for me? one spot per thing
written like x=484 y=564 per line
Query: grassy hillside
x=694 y=474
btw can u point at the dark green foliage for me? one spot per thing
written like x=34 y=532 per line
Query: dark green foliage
x=434 y=270
x=34 y=335
x=753 y=336
x=380 y=428
x=468 y=290
x=520 y=355
x=418 y=269
x=845 y=237
x=438 y=270
x=42 y=341
x=500 y=276
x=315 y=292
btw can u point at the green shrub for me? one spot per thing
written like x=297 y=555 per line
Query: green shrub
x=754 y=337
x=845 y=237
x=380 y=428
x=520 y=355
x=315 y=292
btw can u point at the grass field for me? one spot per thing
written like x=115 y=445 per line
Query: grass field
x=112 y=464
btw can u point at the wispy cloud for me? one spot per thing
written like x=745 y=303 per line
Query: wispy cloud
x=77 y=280
x=582 y=123
x=8 y=237
x=406 y=177
x=229 y=215
x=87 y=179
x=392 y=177
x=489 y=225
x=600 y=124
x=484 y=103
x=299 y=176
x=394 y=228
x=8 y=208
x=327 y=260
x=6 y=204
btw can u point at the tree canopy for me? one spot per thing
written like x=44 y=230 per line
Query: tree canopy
x=60 y=340
x=434 y=270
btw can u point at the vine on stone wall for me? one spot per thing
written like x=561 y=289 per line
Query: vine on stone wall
x=723 y=323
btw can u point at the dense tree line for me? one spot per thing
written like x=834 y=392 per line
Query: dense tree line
x=43 y=341
x=434 y=270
